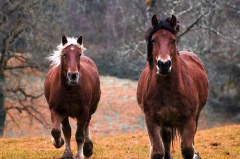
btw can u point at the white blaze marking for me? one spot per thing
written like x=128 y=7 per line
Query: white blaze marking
x=165 y=59
x=72 y=48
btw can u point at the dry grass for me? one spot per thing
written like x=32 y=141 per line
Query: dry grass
x=217 y=143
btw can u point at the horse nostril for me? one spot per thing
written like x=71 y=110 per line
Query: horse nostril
x=159 y=63
x=69 y=74
x=169 y=63
x=164 y=65
x=74 y=76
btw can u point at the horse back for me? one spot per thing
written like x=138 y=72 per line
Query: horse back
x=90 y=78
x=89 y=72
x=196 y=71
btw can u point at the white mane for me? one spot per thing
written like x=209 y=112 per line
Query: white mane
x=56 y=56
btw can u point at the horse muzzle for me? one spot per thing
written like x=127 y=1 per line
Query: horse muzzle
x=164 y=67
x=73 y=78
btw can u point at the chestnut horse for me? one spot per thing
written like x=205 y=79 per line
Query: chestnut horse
x=172 y=90
x=72 y=89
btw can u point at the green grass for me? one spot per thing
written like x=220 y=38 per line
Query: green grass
x=131 y=146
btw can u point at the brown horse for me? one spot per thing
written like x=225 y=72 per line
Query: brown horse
x=72 y=89
x=172 y=90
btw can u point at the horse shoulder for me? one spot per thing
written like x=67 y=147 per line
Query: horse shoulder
x=50 y=81
x=143 y=85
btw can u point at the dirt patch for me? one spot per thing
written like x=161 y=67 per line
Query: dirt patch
x=118 y=111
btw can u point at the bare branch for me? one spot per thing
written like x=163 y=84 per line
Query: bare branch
x=18 y=89
x=14 y=121
x=21 y=67
x=226 y=37
x=188 y=10
x=194 y=23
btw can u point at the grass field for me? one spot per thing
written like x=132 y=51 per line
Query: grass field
x=216 y=143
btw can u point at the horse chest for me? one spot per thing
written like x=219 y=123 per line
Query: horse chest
x=168 y=116
x=170 y=110
x=70 y=103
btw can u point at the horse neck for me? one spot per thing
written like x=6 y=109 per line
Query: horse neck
x=62 y=75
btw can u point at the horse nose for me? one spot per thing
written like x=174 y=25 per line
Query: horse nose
x=164 y=66
x=73 y=76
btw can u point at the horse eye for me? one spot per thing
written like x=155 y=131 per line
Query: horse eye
x=80 y=55
x=173 y=41
x=153 y=41
x=64 y=55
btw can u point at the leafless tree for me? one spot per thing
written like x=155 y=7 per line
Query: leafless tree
x=17 y=23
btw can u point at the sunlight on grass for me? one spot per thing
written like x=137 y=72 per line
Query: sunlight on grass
x=220 y=143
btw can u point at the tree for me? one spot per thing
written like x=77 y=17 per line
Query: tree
x=18 y=21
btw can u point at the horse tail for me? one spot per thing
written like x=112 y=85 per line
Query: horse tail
x=174 y=137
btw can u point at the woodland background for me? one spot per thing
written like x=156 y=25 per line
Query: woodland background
x=113 y=33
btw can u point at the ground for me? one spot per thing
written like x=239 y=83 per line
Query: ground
x=216 y=143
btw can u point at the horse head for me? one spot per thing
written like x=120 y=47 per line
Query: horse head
x=70 y=59
x=161 y=38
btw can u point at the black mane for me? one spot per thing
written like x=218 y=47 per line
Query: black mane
x=163 y=24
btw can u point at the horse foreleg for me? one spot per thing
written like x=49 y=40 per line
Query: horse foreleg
x=56 y=132
x=157 y=148
x=81 y=124
x=88 y=145
x=66 y=128
x=166 y=134
x=188 y=133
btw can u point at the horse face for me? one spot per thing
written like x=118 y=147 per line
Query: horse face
x=71 y=61
x=164 y=48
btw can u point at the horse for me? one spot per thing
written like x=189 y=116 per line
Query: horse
x=172 y=90
x=72 y=89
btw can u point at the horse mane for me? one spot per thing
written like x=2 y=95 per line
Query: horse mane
x=56 y=56
x=162 y=24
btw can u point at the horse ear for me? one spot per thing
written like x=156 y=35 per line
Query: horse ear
x=173 y=22
x=79 y=40
x=64 y=40
x=154 y=20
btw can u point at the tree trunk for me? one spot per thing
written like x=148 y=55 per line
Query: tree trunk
x=2 y=108
x=150 y=11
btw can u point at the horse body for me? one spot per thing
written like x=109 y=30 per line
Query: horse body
x=72 y=89
x=169 y=97
x=172 y=90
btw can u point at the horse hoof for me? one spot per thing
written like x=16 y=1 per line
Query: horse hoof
x=168 y=156
x=157 y=156
x=78 y=157
x=58 y=144
x=67 y=154
x=196 y=156
x=88 y=149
